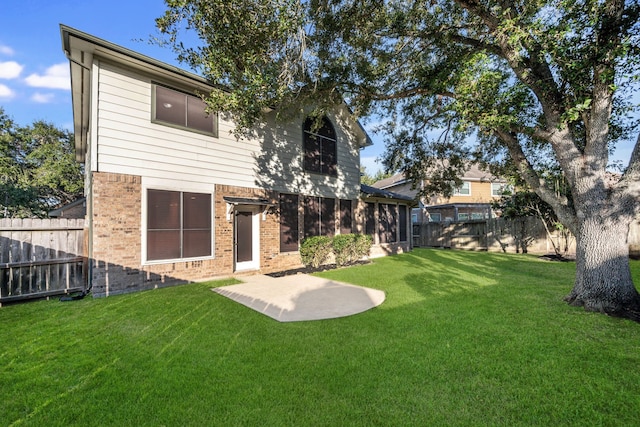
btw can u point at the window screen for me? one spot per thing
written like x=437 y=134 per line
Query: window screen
x=402 y=218
x=319 y=216
x=387 y=223
x=346 y=215
x=179 y=225
x=311 y=217
x=320 y=148
x=171 y=106
x=183 y=110
x=328 y=217
x=370 y=219
x=288 y=222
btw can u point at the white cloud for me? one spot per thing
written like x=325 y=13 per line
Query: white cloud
x=6 y=50
x=55 y=77
x=6 y=92
x=10 y=70
x=42 y=98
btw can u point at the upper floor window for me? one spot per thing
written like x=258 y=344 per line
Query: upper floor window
x=463 y=190
x=180 y=109
x=320 y=148
x=498 y=189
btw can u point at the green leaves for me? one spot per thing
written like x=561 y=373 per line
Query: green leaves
x=252 y=50
x=526 y=80
x=573 y=113
x=38 y=171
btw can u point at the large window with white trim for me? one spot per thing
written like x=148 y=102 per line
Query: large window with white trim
x=463 y=190
x=179 y=225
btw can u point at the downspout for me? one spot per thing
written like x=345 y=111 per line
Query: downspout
x=88 y=187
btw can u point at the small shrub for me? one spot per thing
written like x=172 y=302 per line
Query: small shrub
x=362 y=245
x=349 y=248
x=343 y=248
x=315 y=251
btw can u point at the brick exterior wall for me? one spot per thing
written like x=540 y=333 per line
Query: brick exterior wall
x=117 y=239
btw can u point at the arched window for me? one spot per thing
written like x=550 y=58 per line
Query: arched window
x=320 y=154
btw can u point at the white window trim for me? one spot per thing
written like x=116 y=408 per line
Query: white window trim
x=501 y=188
x=172 y=185
x=457 y=192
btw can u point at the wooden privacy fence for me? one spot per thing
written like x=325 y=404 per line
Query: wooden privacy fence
x=496 y=234
x=41 y=257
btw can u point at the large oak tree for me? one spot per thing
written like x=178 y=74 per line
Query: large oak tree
x=536 y=83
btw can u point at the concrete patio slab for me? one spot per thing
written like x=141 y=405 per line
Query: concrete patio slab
x=301 y=297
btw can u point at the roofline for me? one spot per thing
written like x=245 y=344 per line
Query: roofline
x=369 y=191
x=466 y=205
x=66 y=31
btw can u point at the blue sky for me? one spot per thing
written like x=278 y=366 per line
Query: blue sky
x=34 y=72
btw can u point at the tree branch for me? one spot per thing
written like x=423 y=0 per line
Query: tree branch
x=560 y=204
x=596 y=150
x=533 y=71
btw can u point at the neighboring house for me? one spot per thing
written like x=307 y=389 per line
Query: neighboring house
x=74 y=210
x=472 y=200
x=172 y=196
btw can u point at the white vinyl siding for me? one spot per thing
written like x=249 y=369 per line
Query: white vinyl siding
x=130 y=143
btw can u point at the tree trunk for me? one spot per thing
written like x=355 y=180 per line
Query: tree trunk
x=603 y=277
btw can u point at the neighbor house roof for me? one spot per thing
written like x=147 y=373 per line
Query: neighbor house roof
x=369 y=191
x=75 y=209
x=474 y=173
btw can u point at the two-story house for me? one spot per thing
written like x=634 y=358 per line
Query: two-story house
x=470 y=201
x=172 y=196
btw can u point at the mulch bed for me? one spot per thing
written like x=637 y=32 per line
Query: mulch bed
x=309 y=270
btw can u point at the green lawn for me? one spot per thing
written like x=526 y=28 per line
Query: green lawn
x=463 y=338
